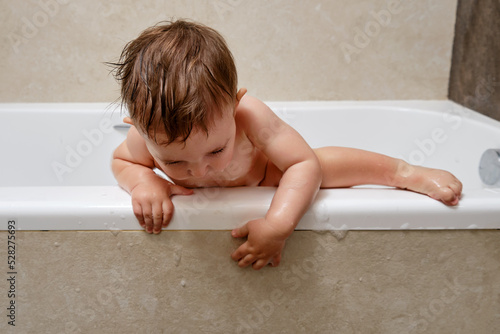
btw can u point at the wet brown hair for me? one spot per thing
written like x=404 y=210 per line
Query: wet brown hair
x=176 y=76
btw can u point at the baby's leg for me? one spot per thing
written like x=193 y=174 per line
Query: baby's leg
x=346 y=167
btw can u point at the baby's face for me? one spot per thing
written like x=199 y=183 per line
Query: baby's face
x=200 y=154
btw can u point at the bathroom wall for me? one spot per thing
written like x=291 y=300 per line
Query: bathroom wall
x=54 y=50
x=185 y=282
x=475 y=71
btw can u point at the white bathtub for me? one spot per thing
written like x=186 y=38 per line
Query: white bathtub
x=55 y=170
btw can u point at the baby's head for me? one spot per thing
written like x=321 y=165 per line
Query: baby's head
x=176 y=78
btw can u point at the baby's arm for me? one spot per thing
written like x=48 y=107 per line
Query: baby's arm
x=133 y=166
x=298 y=186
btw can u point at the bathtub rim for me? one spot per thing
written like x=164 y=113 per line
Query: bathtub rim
x=8 y=204
x=75 y=208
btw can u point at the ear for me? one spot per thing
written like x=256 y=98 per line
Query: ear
x=240 y=94
x=128 y=120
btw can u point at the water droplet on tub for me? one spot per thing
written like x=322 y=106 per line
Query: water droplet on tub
x=114 y=231
x=123 y=217
x=79 y=223
x=339 y=234
x=472 y=226
x=183 y=283
x=177 y=258
x=320 y=212
x=56 y=244
x=119 y=245
x=77 y=289
x=111 y=212
x=405 y=226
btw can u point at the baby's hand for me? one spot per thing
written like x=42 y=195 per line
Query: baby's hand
x=152 y=205
x=264 y=244
x=435 y=183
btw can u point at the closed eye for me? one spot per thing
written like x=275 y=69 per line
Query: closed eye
x=170 y=163
x=220 y=150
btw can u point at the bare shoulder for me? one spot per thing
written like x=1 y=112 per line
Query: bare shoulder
x=250 y=106
x=253 y=116
x=282 y=144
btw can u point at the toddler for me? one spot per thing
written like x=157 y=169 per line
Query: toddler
x=179 y=83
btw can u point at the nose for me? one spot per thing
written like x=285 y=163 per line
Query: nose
x=198 y=170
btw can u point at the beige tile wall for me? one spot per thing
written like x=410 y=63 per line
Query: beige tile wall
x=185 y=282
x=54 y=50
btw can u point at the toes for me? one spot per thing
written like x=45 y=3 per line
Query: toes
x=448 y=196
x=456 y=186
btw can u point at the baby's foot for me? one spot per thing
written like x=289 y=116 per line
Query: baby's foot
x=435 y=183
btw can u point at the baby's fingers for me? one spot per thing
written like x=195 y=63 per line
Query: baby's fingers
x=237 y=254
x=168 y=212
x=275 y=261
x=138 y=213
x=157 y=217
x=246 y=258
x=261 y=263
x=240 y=232
x=179 y=190
x=246 y=261
x=147 y=215
x=241 y=252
